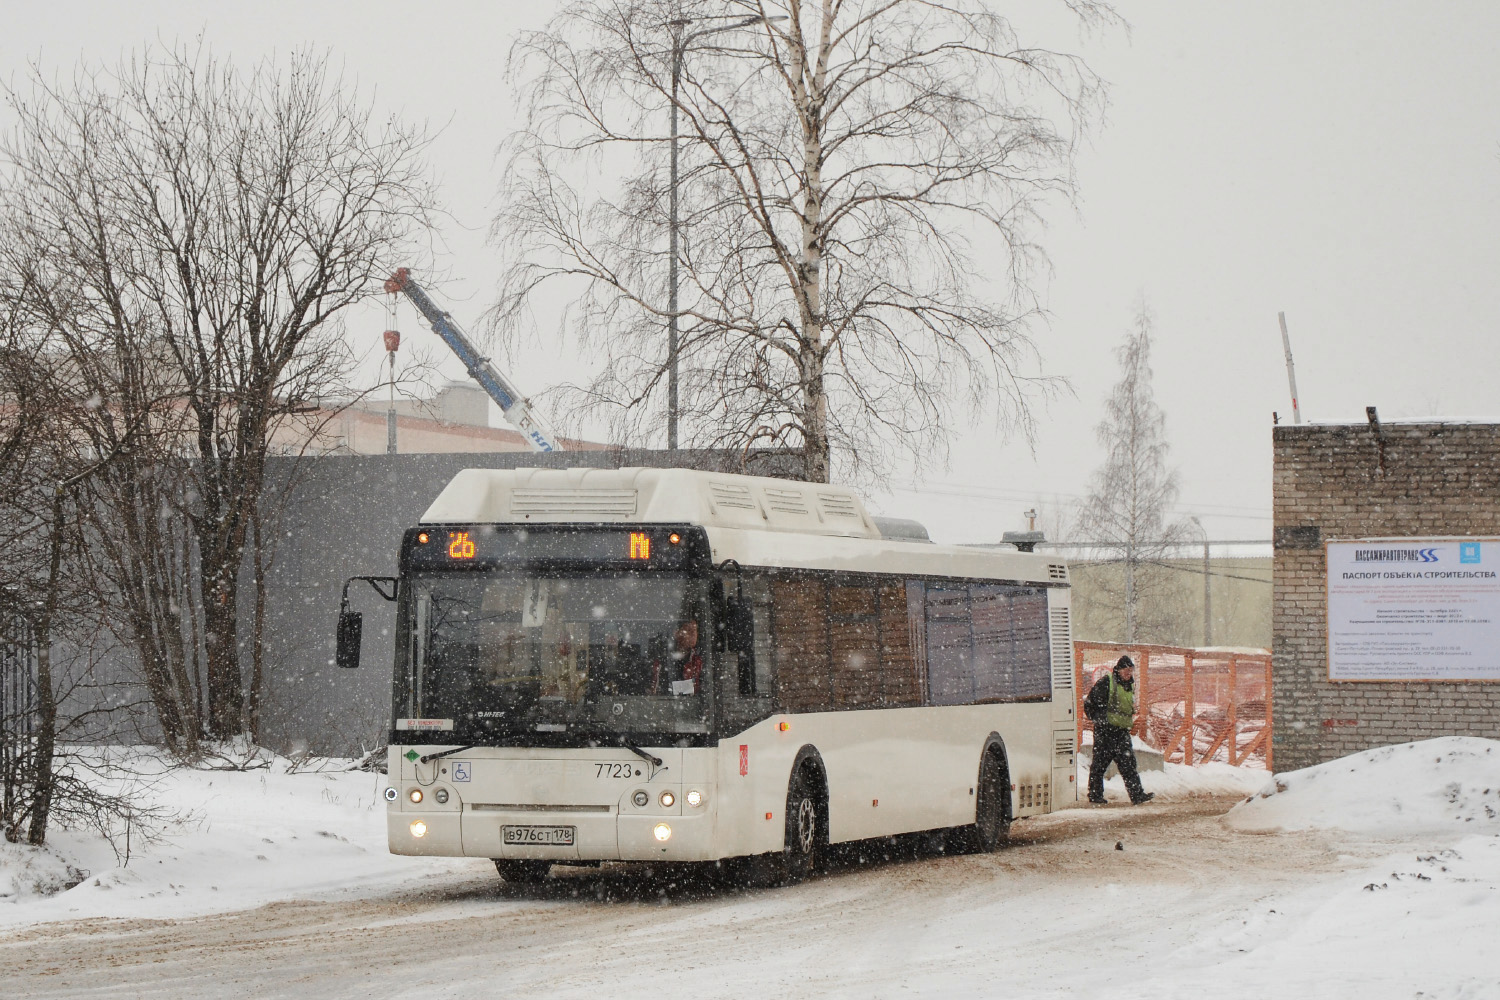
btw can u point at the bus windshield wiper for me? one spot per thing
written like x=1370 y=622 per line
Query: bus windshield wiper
x=445 y=753
x=653 y=759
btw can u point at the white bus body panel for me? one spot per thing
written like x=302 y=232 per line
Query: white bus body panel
x=889 y=772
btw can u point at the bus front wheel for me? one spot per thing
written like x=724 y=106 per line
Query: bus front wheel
x=521 y=870
x=802 y=827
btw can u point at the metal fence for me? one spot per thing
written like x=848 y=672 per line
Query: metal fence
x=1195 y=705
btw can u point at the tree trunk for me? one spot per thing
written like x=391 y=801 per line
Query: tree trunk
x=257 y=637
x=46 y=700
x=812 y=357
x=226 y=702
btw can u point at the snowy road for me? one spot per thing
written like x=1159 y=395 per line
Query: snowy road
x=1185 y=903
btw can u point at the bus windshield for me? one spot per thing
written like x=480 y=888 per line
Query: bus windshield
x=511 y=652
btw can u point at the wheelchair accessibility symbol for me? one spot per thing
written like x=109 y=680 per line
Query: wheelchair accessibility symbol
x=461 y=770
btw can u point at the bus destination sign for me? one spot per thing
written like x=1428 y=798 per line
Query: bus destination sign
x=494 y=546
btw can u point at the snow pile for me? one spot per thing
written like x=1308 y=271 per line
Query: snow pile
x=234 y=839
x=1446 y=784
x=29 y=873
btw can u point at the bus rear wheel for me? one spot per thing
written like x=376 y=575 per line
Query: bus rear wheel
x=991 y=823
x=522 y=871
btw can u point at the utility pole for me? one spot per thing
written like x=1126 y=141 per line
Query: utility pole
x=1208 y=606
x=1208 y=597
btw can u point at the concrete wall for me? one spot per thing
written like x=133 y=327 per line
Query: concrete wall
x=1333 y=482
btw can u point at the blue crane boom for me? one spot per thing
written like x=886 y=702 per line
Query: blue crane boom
x=512 y=404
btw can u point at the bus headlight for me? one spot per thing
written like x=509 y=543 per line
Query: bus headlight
x=391 y=793
x=415 y=795
x=663 y=832
x=694 y=798
x=441 y=795
x=667 y=801
x=418 y=829
x=641 y=798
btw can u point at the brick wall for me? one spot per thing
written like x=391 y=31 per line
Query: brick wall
x=1336 y=482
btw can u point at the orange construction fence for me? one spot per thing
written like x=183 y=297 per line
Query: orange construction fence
x=1193 y=705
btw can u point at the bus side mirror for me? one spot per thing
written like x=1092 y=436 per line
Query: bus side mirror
x=739 y=625
x=351 y=630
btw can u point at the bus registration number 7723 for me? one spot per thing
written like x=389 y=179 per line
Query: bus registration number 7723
x=551 y=836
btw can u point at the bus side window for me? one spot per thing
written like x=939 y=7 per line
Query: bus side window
x=902 y=662
x=757 y=677
x=750 y=665
x=800 y=620
x=854 y=640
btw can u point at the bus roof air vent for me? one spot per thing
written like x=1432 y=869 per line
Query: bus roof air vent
x=842 y=505
x=731 y=495
x=581 y=502
x=786 y=501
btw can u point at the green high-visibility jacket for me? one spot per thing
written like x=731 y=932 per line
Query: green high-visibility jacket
x=1120 y=711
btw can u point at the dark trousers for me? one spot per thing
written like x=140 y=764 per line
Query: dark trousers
x=1112 y=745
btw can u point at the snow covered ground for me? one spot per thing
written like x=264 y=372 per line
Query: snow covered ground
x=1374 y=876
x=235 y=839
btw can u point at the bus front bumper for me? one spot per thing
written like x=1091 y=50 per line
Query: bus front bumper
x=596 y=837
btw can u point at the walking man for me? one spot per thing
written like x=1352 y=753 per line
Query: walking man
x=1110 y=706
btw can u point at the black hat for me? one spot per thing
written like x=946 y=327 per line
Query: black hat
x=1124 y=662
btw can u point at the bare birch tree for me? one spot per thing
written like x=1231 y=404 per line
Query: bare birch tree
x=1130 y=501
x=212 y=225
x=856 y=193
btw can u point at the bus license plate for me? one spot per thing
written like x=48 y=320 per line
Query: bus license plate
x=556 y=836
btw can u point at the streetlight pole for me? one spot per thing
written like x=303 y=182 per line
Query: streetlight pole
x=672 y=410
x=679 y=46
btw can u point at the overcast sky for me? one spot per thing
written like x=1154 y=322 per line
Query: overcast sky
x=1336 y=161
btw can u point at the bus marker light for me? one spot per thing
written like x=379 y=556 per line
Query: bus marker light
x=784 y=726
x=695 y=798
x=668 y=800
x=441 y=795
x=418 y=829
x=422 y=538
x=663 y=832
x=874 y=803
x=641 y=799
x=768 y=815
x=391 y=793
x=415 y=795
x=674 y=538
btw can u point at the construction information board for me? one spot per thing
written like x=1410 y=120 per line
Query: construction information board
x=1408 y=609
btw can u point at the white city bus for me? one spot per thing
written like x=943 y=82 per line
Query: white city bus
x=671 y=665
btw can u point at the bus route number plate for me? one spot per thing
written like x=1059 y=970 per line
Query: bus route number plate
x=550 y=836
